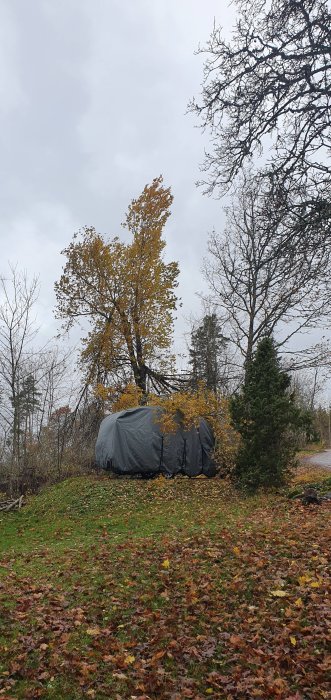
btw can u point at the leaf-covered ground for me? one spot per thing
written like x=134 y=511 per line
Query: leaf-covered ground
x=116 y=589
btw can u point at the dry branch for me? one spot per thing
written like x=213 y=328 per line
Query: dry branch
x=11 y=504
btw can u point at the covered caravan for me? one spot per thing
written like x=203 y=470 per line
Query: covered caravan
x=131 y=442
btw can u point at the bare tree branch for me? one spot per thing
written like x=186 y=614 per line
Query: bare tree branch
x=268 y=271
x=269 y=86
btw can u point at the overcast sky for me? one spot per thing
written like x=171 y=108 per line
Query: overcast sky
x=93 y=95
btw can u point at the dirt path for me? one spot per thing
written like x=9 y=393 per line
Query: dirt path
x=321 y=459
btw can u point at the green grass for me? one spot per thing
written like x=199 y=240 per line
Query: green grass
x=114 y=588
x=77 y=510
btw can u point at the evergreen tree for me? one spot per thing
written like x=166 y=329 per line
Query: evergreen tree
x=265 y=415
x=29 y=397
x=207 y=356
x=26 y=405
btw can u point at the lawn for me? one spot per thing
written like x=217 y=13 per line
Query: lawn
x=116 y=589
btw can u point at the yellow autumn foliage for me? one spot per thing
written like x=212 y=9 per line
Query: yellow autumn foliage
x=190 y=407
x=126 y=292
x=130 y=398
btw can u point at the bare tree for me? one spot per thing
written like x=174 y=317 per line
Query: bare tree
x=17 y=331
x=269 y=274
x=33 y=382
x=307 y=387
x=52 y=367
x=270 y=85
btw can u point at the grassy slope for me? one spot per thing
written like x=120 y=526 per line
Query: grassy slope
x=163 y=589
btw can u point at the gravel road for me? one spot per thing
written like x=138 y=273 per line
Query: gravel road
x=321 y=459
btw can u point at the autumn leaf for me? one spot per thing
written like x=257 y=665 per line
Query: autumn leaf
x=153 y=638
x=279 y=594
x=236 y=641
x=93 y=631
x=166 y=564
x=158 y=655
x=130 y=659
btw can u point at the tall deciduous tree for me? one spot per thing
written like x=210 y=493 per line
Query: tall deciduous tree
x=17 y=330
x=264 y=413
x=266 y=92
x=126 y=291
x=270 y=275
x=270 y=85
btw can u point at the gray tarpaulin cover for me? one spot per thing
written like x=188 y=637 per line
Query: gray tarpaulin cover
x=131 y=442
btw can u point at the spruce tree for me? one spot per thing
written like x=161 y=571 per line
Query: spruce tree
x=207 y=354
x=265 y=415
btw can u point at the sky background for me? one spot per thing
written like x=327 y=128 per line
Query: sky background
x=93 y=99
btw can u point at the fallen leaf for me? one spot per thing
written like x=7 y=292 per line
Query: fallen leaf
x=129 y=659
x=93 y=631
x=158 y=655
x=236 y=641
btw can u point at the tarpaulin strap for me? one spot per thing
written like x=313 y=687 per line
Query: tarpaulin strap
x=161 y=455
x=202 y=450
x=184 y=454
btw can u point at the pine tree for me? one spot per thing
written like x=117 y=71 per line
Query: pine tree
x=207 y=354
x=265 y=415
x=26 y=405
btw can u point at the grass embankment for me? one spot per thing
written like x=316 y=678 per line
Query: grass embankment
x=165 y=589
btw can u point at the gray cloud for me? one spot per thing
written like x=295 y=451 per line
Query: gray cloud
x=93 y=101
